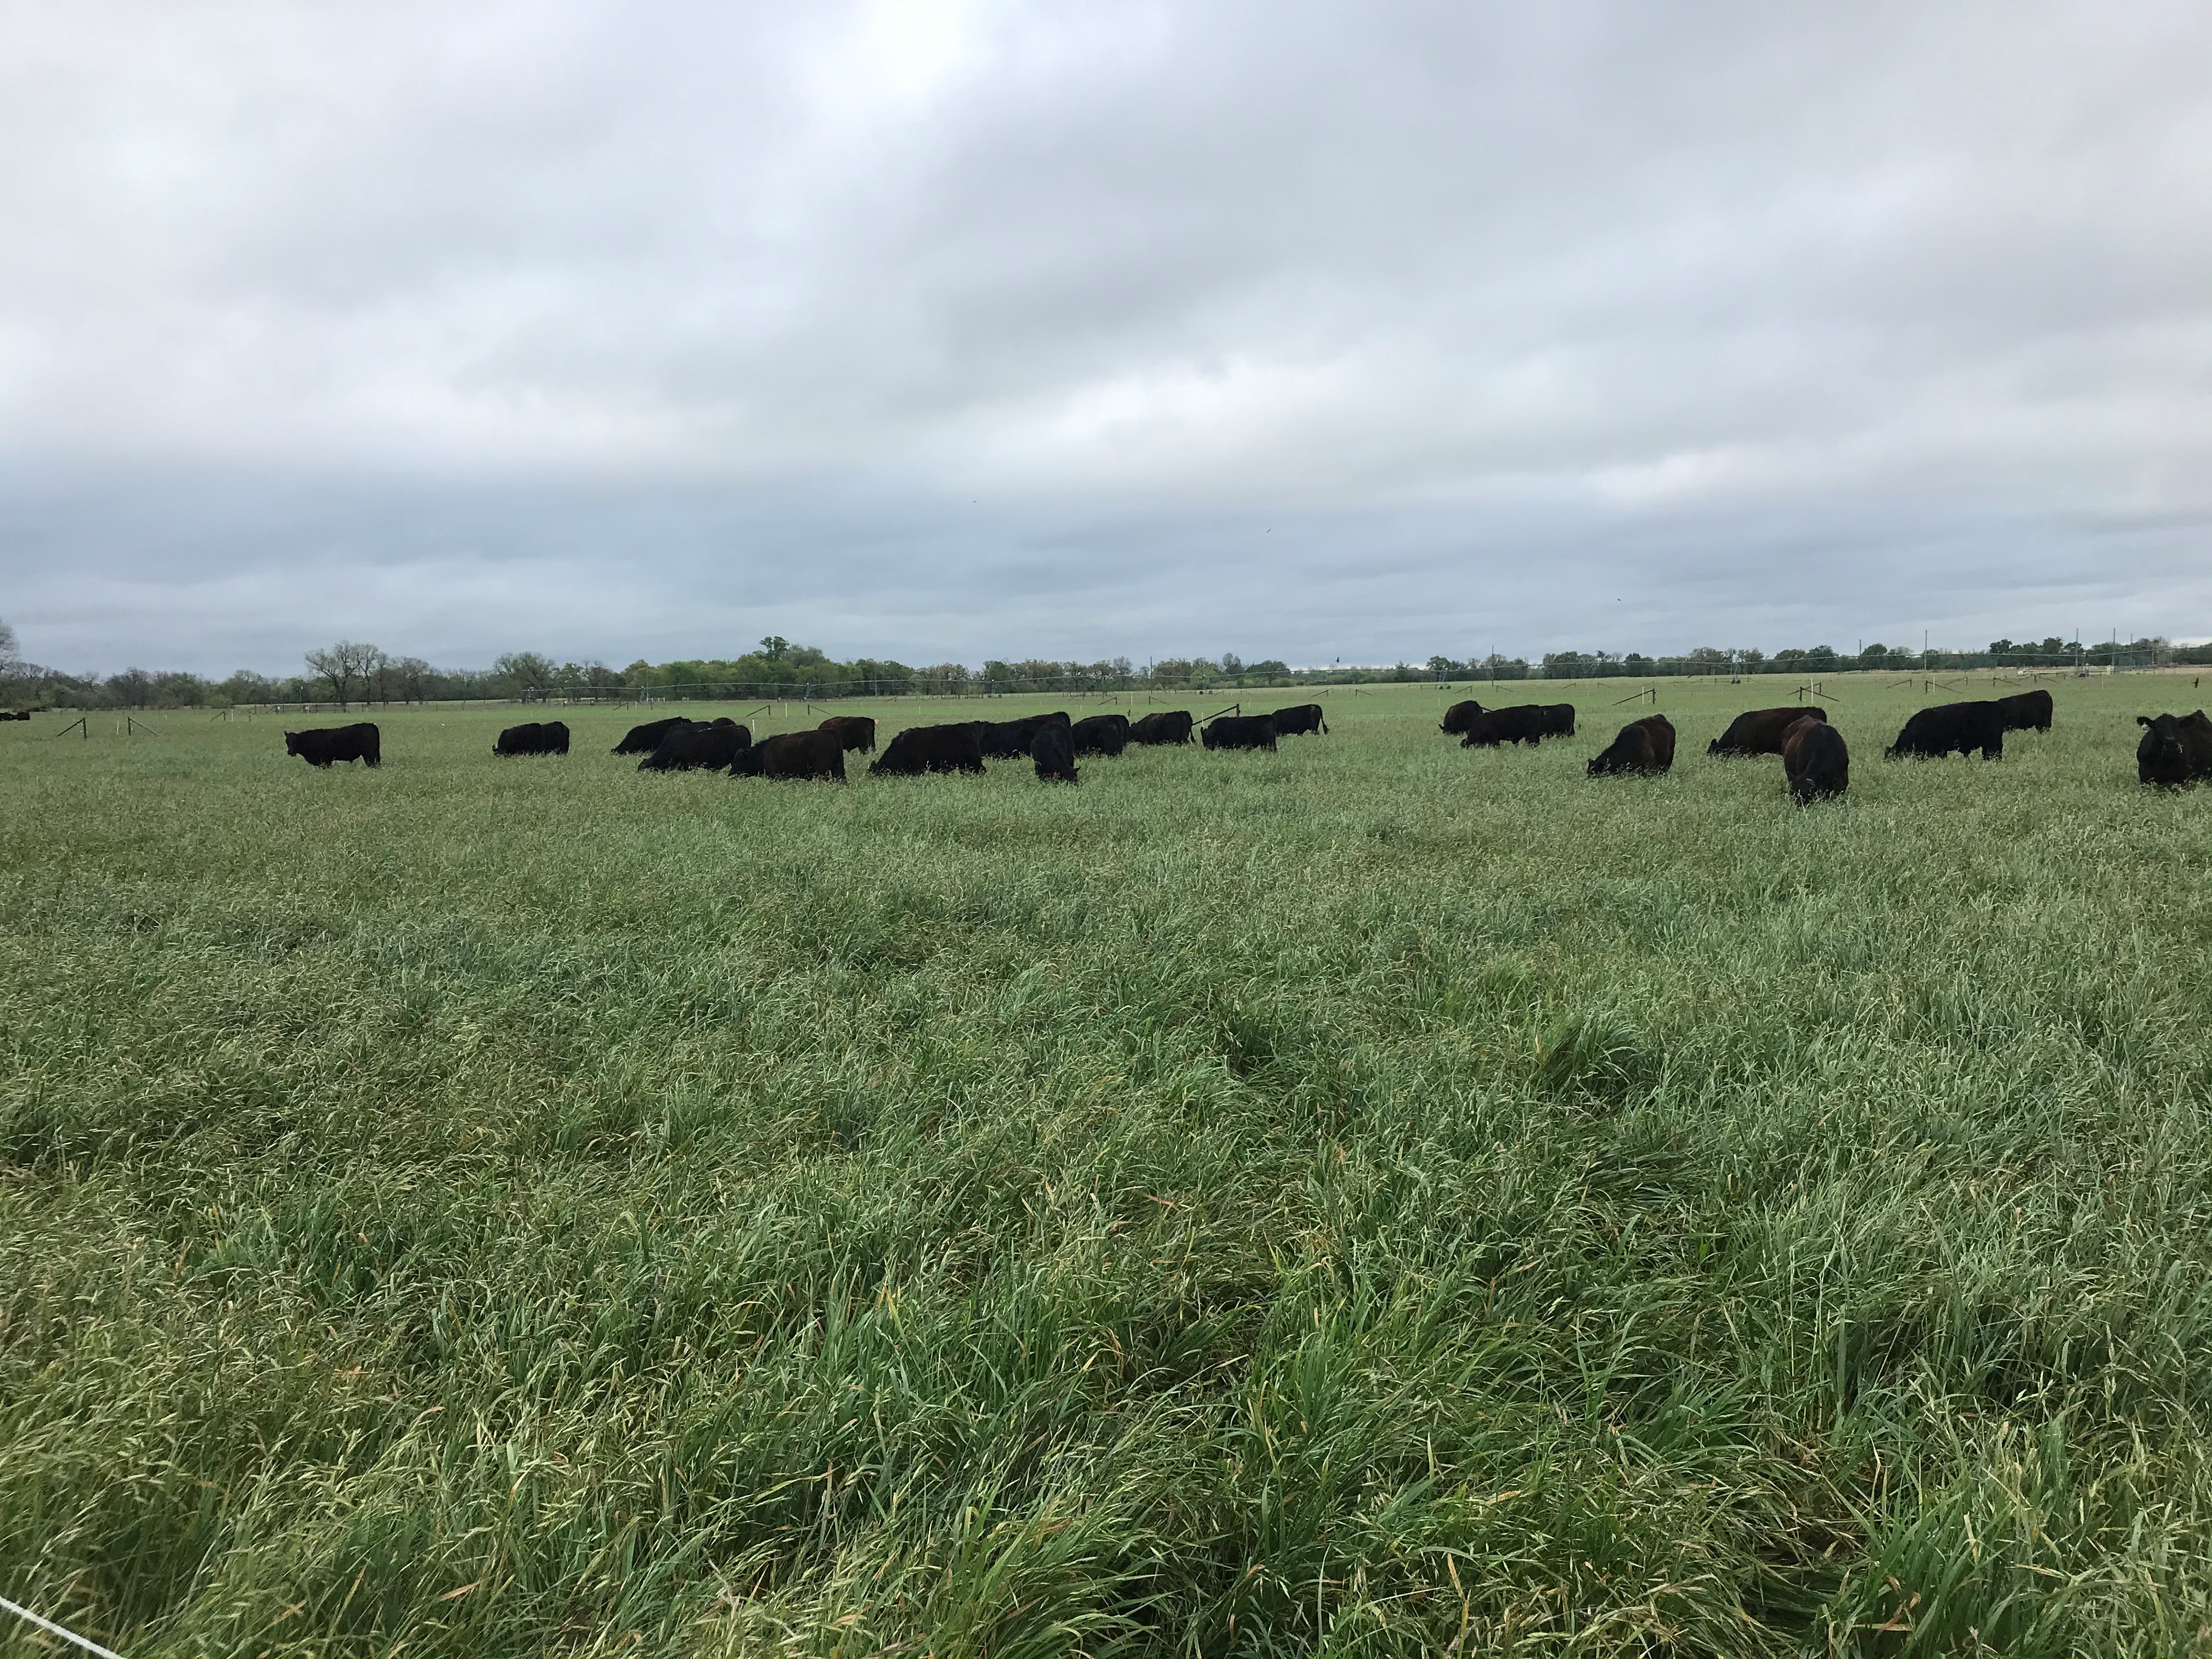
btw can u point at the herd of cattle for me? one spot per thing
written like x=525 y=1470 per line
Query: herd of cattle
x=2174 y=749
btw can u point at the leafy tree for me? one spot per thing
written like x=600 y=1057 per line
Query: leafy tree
x=774 y=646
x=526 y=672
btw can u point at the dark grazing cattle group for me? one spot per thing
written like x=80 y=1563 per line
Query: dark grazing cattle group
x=697 y=746
x=1528 y=722
x=15 y=714
x=2174 y=749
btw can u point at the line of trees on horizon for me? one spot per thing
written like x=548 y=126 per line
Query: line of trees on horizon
x=352 y=672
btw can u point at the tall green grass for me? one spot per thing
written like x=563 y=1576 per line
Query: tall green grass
x=1375 y=1197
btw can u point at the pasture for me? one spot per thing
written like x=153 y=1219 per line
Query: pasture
x=1375 y=1197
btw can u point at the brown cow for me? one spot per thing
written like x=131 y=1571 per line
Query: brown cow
x=1644 y=745
x=853 y=730
x=1816 y=761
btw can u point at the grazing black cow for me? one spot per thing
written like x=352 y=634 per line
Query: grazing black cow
x=1101 y=734
x=362 y=743
x=688 y=746
x=853 y=730
x=1934 y=733
x=2029 y=711
x=1644 y=745
x=816 y=754
x=1170 y=726
x=1304 y=717
x=1528 y=722
x=1240 y=732
x=1816 y=761
x=551 y=738
x=1053 y=749
x=921 y=749
x=644 y=739
x=2175 y=749
x=1011 y=739
x=1760 y=730
x=1459 y=716
x=1562 y=718
x=15 y=715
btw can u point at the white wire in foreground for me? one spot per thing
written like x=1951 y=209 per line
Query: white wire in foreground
x=66 y=1634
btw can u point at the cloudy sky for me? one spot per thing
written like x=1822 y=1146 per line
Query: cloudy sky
x=939 y=330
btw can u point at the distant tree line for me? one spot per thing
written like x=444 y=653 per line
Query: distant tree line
x=352 y=673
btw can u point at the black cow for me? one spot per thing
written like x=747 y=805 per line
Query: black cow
x=1459 y=716
x=532 y=738
x=816 y=754
x=1528 y=722
x=1934 y=733
x=1562 y=718
x=2175 y=749
x=853 y=730
x=321 y=747
x=1011 y=739
x=1304 y=717
x=1816 y=761
x=1760 y=730
x=688 y=746
x=1644 y=745
x=1171 y=725
x=1053 y=749
x=1101 y=734
x=1240 y=732
x=644 y=739
x=14 y=714
x=921 y=749
x=2029 y=711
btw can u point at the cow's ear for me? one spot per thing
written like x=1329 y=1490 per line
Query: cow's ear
x=2142 y=719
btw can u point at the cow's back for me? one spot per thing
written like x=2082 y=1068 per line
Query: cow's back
x=1815 y=760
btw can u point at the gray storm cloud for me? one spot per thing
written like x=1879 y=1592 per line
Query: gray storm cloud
x=935 y=330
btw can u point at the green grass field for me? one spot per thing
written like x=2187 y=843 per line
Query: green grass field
x=1376 y=1198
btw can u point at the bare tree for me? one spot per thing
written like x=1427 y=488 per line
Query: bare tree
x=347 y=665
x=11 y=651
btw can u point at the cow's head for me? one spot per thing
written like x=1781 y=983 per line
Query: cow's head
x=292 y=742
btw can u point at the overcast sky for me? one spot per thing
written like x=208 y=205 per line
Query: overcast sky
x=942 y=331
